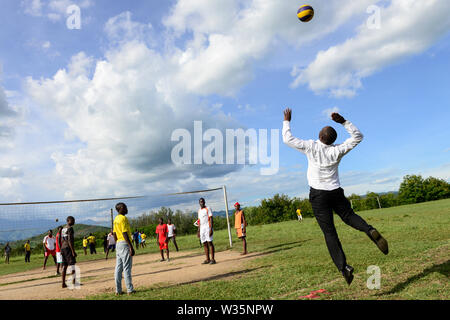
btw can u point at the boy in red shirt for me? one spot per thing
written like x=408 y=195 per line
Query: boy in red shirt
x=162 y=239
x=58 y=249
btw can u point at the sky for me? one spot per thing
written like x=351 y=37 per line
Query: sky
x=89 y=110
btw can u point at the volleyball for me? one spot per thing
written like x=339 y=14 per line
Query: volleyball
x=305 y=13
x=56 y=220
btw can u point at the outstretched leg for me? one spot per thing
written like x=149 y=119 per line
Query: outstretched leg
x=324 y=215
x=343 y=208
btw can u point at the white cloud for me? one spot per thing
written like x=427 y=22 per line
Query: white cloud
x=32 y=7
x=123 y=28
x=404 y=32
x=228 y=37
x=54 y=10
x=116 y=108
x=327 y=112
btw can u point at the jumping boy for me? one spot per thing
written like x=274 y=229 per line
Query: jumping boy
x=326 y=193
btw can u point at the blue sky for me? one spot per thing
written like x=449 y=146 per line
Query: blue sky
x=89 y=113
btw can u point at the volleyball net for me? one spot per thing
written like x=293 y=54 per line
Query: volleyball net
x=21 y=221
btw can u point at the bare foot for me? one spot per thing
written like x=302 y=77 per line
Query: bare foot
x=64 y=285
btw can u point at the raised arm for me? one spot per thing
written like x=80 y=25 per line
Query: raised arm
x=288 y=138
x=355 y=135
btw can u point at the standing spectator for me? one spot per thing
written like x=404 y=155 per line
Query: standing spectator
x=7 y=252
x=68 y=249
x=136 y=238
x=105 y=243
x=111 y=244
x=143 y=236
x=85 y=244
x=161 y=238
x=27 y=247
x=240 y=224
x=49 y=244
x=91 y=240
x=58 y=250
x=206 y=230
x=124 y=249
x=299 y=215
x=172 y=233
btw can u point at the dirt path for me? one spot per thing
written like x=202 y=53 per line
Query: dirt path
x=97 y=277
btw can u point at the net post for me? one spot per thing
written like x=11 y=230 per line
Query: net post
x=379 y=204
x=112 y=219
x=226 y=211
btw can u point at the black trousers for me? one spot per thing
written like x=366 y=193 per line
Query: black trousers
x=323 y=204
x=27 y=256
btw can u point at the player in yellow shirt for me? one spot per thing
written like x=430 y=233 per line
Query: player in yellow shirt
x=143 y=236
x=91 y=240
x=27 y=251
x=124 y=249
x=299 y=215
x=85 y=244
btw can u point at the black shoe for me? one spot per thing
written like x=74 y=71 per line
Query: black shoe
x=348 y=274
x=378 y=239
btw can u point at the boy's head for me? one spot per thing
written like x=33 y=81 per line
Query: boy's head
x=201 y=201
x=50 y=233
x=122 y=208
x=237 y=205
x=328 y=135
x=169 y=221
x=28 y=241
x=70 y=220
x=161 y=220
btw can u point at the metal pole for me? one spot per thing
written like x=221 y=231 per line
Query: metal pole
x=112 y=219
x=379 y=204
x=351 y=203
x=226 y=211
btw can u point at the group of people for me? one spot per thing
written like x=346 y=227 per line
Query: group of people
x=139 y=239
x=326 y=196
x=166 y=233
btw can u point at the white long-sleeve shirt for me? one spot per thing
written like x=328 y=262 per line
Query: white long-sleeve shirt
x=323 y=160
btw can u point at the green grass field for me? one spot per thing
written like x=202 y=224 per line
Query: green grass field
x=293 y=260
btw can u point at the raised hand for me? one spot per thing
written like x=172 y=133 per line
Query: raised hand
x=287 y=114
x=337 y=117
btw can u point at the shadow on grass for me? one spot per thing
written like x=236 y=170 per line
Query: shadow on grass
x=284 y=246
x=443 y=268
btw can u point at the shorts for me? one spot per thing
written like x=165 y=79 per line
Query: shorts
x=67 y=257
x=240 y=233
x=204 y=235
x=112 y=247
x=50 y=252
x=58 y=257
x=163 y=245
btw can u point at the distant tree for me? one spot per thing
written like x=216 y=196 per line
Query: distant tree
x=411 y=190
x=389 y=200
x=435 y=189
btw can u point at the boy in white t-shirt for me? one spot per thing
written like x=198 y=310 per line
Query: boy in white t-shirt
x=49 y=244
x=172 y=232
x=206 y=230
